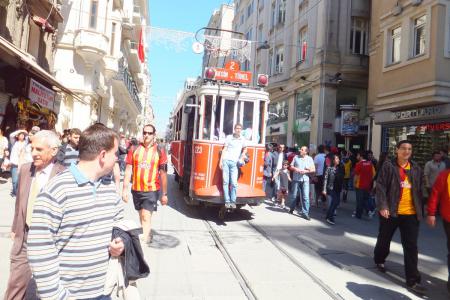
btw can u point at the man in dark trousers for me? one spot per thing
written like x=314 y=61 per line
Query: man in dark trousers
x=32 y=177
x=399 y=194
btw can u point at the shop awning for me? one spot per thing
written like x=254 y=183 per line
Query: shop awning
x=26 y=61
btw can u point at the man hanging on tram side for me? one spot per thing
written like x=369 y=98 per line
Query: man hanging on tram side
x=233 y=151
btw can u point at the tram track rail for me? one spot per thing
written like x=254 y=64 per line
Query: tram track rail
x=326 y=288
x=242 y=280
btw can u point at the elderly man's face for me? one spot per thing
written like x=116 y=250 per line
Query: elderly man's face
x=42 y=153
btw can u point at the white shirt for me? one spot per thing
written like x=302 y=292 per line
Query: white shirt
x=319 y=161
x=18 y=153
x=280 y=161
x=234 y=148
x=44 y=176
x=3 y=145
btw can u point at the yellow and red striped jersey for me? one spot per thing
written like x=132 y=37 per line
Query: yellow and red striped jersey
x=146 y=162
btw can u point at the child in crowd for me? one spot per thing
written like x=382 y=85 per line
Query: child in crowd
x=284 y=179
x=6 y=164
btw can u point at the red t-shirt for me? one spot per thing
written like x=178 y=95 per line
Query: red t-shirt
x=364 y=171
x=146 y=163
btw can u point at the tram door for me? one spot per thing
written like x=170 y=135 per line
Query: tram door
x=187 y=163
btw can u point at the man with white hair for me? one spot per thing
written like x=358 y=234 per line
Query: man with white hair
x=32 y=177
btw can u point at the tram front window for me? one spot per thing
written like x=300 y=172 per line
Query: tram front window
x=247 y=120
x=228 y=117
x=207 y=120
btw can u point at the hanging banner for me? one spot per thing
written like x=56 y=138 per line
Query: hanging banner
x=41 y=94
x=349 y=120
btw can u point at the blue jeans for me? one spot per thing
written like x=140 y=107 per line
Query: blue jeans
x=303 y=186
x=14 y=178
x=268 y=185
x=334 y=203
x=230 y=178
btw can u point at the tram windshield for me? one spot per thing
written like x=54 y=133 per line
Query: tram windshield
x=221 y=114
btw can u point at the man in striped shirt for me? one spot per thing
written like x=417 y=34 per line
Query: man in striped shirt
x=69 y=242
x=68 y=153
x=148 y=164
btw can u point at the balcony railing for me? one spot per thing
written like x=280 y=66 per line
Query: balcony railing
x=125 y=76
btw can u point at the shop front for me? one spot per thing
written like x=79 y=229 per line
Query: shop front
x=28 y=93
x=427 y=128
x=277 y=124
x=302 y=122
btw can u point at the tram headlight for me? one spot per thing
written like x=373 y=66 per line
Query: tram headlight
x=210 y=73
x=263 y=80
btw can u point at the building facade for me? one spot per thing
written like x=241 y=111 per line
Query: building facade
x=29 y=93
x=316 y=54
x=222 y=19
x=101 y=56
x=409 y=92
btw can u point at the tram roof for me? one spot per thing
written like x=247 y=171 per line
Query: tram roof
x=202 y=87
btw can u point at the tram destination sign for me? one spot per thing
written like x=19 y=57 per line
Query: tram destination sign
x=231 y=73
x=417 y=113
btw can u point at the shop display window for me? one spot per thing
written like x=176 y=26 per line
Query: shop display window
x=425 y=138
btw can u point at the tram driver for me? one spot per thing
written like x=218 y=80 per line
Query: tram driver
x=233 y=151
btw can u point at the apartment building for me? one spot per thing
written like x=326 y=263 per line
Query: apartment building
x=316 y=54
x=100 y=54
x=222 y=20
x=29 y=93
x=409 y=92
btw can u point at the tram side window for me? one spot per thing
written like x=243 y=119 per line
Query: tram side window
x=207 y=118
x=228 y=117
x=262 y=115
x=218 y=134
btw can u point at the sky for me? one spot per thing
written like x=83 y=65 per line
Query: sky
x=170 y=68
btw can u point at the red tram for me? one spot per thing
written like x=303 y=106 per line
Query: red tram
x=205 y=114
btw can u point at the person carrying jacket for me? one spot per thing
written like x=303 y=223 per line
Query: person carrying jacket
x=399 y=193
x=440 y=197
x=332 y=185
x=268 y=171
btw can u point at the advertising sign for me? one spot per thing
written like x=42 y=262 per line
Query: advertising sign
x=349 y=120
x=41 y=95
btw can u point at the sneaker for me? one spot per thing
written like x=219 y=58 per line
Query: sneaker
x=227 y=205
x=329 y=221
x=306 y=217
x=371 y=214
x=233 y=205
x=291 y=211
x=353 y=214
x=381 y=268
x=417 y=288
x=282 y=206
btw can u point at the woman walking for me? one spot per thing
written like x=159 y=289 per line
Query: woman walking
x=332 y=185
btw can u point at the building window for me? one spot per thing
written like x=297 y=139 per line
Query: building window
x=359 y=36
x=302 y=9
x=395 y=43
x=249 y=34
x=113 y=38
x=270 y=62
x=273 y=16
x=419 y=35
x=260 y=34
x=93 y=14
x=250 y=9
x=242 y=19
x=281 y=12
x=279 y=58
x=302 y=44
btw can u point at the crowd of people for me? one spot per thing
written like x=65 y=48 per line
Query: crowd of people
x=67 y=203
x=396 y=188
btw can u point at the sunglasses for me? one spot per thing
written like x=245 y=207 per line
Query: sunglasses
x=148 y=132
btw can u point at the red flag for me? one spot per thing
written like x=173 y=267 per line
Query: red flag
x=304 y=49
x=141 y=47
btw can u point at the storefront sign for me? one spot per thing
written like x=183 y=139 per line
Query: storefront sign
x=41 y=95
x=349 y=120
x=436 y=127
x=417 y=113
